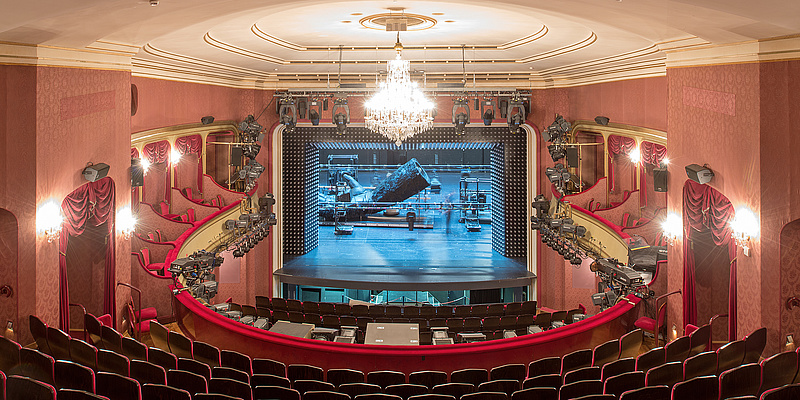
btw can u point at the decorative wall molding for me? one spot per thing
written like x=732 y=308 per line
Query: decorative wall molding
x=765 y=50
x=31 y=54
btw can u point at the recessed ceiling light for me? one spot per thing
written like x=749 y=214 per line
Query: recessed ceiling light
x=438 y=13
x=346 y=22
x=357 y=14
x=449 y=20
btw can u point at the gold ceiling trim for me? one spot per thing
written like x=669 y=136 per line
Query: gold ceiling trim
x=152 y=50
x=369 y=21
x=562 y=50
x=139 y=139
x=542 y=32
x=602 y=62
x=241 y=51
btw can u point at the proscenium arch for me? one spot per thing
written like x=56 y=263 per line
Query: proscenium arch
x=531 y=185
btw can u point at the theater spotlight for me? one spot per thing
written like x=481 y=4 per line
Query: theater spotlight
x=313 y=115
x=341 y=115
x=556 y=151
x=515 y=114
x=487 y=111
x=288 y=112
x=460 y=114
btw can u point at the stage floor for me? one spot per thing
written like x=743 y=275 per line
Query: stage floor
x=380 y=258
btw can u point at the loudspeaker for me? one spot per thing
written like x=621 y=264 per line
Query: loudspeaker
x=572 y=157
x=601 y=120
x=660 y=179
x=236 y=156
x=699 y=174
x=137 y=172
x=207 y=120
x=95 y=172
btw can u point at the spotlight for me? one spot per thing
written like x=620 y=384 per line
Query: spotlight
x=487 y=111
x=556 y=151
x=515 y=120
x=94 y=172
x=313 y=115
x=341 y=115
x=699 y=174
x=288 y=112
x=460 y=119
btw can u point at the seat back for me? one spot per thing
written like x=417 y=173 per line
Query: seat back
x=112 y=340
x=618 y=367
x=667 y=374
x=507 y=386
x=269 y=380
x=699 y=388
x=24 y=388
x=230 y=373
x=743 y=380
x=148 y=373
x=544 y=366
x=699 y=340
x=267 y=366
x=37 y=365
x=549 y=380
x=536 y=393
x=117 y=387
x=678 y=349
x=58 y=342
x=275 y=392
x=179 y=345
x=730 y=355
x=474 y=376
x=230 y=387
x=195 y=366
x=206 y=353
x=151 y=391
x=517 y=372
x=160 y=336
x=134 y=349
x=355 y=389
x=405 y=390
x=754 y=345
x=75 y=394
x=576 y=360
x=580 y=388
x=339 y=376
x=778 y=370
x=454 y=389
x=650 y=359
x=236 y=360
x=110 y=361
x=428 y=379
x=72 y=375
x=630 y=343
x=163 y=358
x=83 y=353
x=304 y=371
x=647 y=393
x=386 y=378
x=188 y=381
x=624 y=382
x=605 y=353
x=788 y=392
x=39 y=333
x=582 y=374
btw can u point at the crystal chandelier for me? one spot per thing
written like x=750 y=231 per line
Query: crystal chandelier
x=399 y=110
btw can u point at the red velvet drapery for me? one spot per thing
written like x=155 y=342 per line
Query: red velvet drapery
x=90 y=205
x=191 y=145
x=617 y=145
x=156 y=153
x=706 y=208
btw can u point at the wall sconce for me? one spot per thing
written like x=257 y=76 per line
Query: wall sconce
x=126 y=222
x=145 y=165
x=635 y=155
x=49 y=220
x=174 y=156
x=672 y=228
x=744 y=226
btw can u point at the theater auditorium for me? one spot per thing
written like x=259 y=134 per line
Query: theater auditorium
x=400 y=200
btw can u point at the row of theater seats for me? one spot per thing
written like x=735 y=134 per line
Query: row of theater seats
x=395 y=311
x=178 y=367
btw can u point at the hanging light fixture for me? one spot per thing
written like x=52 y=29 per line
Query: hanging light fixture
x=399 y=110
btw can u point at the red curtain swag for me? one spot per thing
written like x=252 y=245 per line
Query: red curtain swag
x=158 y=152
x=617 y=145
x=90 y=205
x=706 y=208
x=652 y=154
x=192 y=144
x=134 y=190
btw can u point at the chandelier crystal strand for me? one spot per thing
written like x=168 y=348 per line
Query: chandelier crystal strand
x=399 y=110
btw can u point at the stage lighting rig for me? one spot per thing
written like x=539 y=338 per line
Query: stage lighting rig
x=487 y=111
x=460 y=114
x=194 y=273
x=619 y=279
x=341 y=115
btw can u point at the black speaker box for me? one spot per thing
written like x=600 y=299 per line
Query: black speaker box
x=572 y=157
x=137 y=172
x=236 y=156
x=660 y=179
x=95 y=172
x=699 y=174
